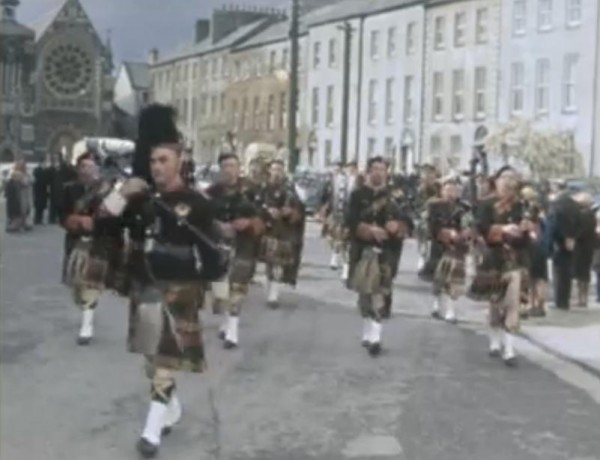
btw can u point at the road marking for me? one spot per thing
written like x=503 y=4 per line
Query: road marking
x=373 y=446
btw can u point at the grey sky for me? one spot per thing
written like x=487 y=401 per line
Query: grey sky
x=137 y=25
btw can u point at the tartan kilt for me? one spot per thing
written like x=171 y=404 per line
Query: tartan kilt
x=450 y=276
x=164 y=323
x=276 y=251
x=87 y=266
x=371 y=275
x=336 y=231
x=488 y=285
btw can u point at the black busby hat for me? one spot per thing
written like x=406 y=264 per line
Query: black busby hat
x=157 y=125
x=504 y=169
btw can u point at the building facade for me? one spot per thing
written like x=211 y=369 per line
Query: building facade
x=460 y=92
x=549 y=69
x=73 y=85
x=17 y=59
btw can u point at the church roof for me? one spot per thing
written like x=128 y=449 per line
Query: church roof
x=139 y=74
x=13 y=28
x=61 y=13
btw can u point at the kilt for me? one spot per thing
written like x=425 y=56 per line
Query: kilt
x=87 y=265
x=336 y=230
x=372 y=274
x=504 y=311
x=165 y=325
x=450 y=276
x=275 y=251
x=488 y=285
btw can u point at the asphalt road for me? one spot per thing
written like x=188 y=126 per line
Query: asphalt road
x=299 y=388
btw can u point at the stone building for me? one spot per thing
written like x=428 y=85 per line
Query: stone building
x=73 y=86
x=462 y=62
x=16 y=92
x=131 y=94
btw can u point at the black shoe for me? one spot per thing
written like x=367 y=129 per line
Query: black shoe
x=538 y=313
x=365 y=344
x=511 y=362
x=166 y=431
x=451 y=321
x=374 y=349
x=273 y=305
x=83 y=341
x=146 y=448
x=495 y=353
x=436 y=315
x=229 y=345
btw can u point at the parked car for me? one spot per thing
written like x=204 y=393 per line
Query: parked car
x=309 y=187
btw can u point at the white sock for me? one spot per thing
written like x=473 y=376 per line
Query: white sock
x=345 y=272
x=366 y=332
x=495 y=339
x=421 y=263
x=154 y=422
x=450 y=313
x=509 y=349
x=87 y=324
x=376 y=329
x=231 y=334
x=334 y=260
x=437 y=301
x=273 y=295
x=174 y=411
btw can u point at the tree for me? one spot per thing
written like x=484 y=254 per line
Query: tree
x=545 y=153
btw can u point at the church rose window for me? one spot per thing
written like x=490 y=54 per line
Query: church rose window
x=68 y=70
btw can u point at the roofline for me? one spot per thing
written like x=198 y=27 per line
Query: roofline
x=265 y=43
x=369 y=13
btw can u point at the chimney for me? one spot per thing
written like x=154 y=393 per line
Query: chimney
x=153 y=56
x=202 y=29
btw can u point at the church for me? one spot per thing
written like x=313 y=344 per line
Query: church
x=55 y=87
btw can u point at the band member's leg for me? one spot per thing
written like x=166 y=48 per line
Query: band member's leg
x=238 y=292
x=511 y=319
x=221 y=303
x=371 y=306
x=87 y=300
x=273 y=285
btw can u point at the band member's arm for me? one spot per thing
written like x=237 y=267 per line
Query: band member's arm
x=72 y=221
x=492 y=233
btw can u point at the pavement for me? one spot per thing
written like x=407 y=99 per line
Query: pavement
x=300 y=387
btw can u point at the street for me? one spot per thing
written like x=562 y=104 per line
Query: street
x=299 y=387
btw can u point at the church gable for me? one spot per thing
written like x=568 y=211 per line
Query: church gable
x=71 y=14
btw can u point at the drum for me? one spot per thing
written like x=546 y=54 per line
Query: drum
x=86 y=267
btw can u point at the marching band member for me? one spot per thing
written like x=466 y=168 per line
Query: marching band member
x=282 y=243
x=374 y=222
x=237 y=209
x=501 y=223
x=448 y=232
x=91 y=248
x=174 y=251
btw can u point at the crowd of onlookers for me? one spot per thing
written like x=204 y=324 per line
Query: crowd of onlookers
x=33 y=195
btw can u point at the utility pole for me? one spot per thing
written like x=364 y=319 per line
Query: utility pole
x=347 y=29
x=293 y=89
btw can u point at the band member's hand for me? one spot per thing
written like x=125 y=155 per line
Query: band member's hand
x=72 y=222
x=512 y=229
x=569 y=244
x=275 y=213
x=133 y=186
x=240 y=225
x=527 y=226
x=86 y=223
x=227 y=230
x=392 y=227
x=379 y=234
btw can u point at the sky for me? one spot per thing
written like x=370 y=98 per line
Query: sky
x=137 y=25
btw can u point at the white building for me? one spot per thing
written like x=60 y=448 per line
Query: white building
x=549 y=69
x=462 y=54
x=132 y=87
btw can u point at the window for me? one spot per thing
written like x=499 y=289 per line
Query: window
x=389 y=147
x=371 y=145
x=256 y=113
x=195 y=71
x=332 y=52
x=223 y=100
x=435 y=146
x=460 y=25
x=372 y=101
x=391 y=41
x=238 y=70
x=285 y=58
x=315 y=106
x=389 y=100
x=411 y=30
x=317 y=55
x=542 y=89
x=481 y=25
x=271 y=113
x=408 y=100
x=225 y=67
x=213 y=105
x=569 y=82
x=519 y=17
x=374 y=44
x=283 y=110
x=440 y=32
x=438 y=95
x=458 y=94
x=330 y=102
x=272 y=60
x=328 y=152
x=573 y=13
x=544 y=14
x=214 y=69
x=203 y=105
x=517 y=90
x=456 y=146
x=480 y=86
x=245 y=113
